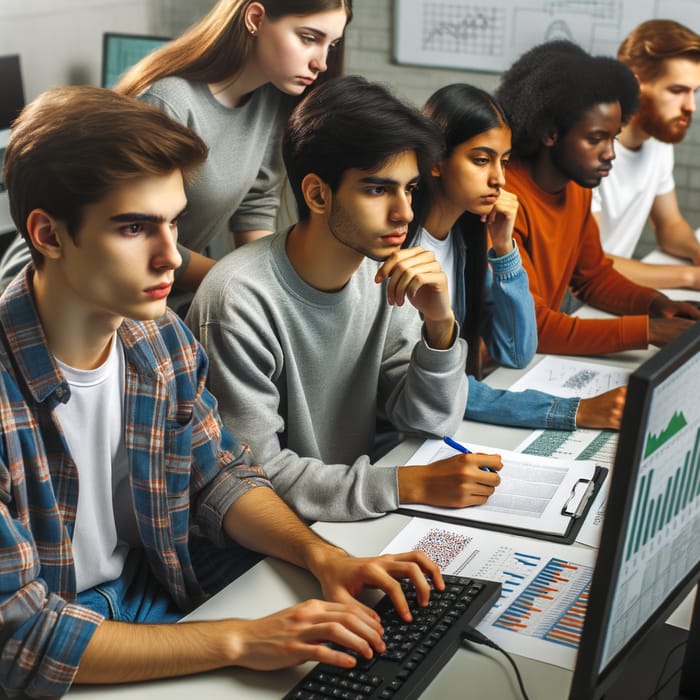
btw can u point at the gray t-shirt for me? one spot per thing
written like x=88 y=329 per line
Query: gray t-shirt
x=301 y=375
x=237 y=188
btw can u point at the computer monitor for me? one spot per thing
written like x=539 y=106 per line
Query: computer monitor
x=121 y=51
x=11 y=90
x=649 y=557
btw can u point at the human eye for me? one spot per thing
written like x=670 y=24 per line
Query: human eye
x=505 y=163
x=375 y=190
x=133 y=229
x=307 y=38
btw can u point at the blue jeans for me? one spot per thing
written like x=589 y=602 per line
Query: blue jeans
x=135 y=596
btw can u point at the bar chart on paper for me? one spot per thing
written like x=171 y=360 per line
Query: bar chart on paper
x=552 y=606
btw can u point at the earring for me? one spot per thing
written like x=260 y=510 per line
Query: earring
x=253 y=31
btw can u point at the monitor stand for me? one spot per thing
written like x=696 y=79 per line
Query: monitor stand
x=641 y=672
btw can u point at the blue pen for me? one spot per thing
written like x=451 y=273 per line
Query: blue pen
x=461 y=448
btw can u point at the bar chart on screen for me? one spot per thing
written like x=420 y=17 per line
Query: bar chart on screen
x=665 y=504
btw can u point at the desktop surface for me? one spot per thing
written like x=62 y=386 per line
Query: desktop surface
x=478 y=672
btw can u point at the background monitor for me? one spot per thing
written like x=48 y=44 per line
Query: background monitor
x=649 y=554
x=11 y=90
x=121 y=51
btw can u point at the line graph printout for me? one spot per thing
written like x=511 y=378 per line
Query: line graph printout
x=476 y=35
x=544 y=585
x=568 y=378
x=666 y=503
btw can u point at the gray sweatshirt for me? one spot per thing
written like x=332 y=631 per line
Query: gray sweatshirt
x=301 y=376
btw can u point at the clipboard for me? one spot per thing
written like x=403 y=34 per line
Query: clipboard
x=576 y=507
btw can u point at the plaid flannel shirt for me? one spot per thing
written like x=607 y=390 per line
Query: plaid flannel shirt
x=186 y=470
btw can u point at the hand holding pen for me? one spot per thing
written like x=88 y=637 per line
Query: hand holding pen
x=460 y=481
x=465 y=451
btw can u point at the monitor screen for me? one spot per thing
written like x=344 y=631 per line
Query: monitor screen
x=121 y=51
x=650 y=549
x=11 y=90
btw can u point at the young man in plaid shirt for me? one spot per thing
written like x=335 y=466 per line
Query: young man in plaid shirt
x=121 y=495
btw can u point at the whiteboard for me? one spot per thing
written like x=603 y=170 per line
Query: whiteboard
x=490 y=36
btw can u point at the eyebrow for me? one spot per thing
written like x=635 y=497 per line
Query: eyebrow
x=128 y=217
x=374 y=180
x=490 y=151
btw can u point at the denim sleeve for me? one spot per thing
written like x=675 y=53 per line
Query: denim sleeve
x=520 y=409
x=510 y=326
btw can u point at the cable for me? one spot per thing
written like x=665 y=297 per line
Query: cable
x=472 y=635
x=660 y=686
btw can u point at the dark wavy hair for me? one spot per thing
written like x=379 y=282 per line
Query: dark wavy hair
x=462 y=112
x=350 y=123
x=551 y=86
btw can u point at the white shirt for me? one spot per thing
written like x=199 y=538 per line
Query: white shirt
x=93 y=425
x=444 y=253
x=626 y=196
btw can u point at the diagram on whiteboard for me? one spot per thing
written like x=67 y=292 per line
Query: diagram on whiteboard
x=472 y=36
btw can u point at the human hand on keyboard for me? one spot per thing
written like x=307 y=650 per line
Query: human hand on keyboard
x=343 y=577
x=305 y=632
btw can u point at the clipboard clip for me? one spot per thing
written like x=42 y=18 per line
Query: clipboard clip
x=578 y=499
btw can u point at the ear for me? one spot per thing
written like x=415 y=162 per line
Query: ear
x=551 y=136
x=316 y=193
x=254 y=14
x=42 y=229
x=436 y=170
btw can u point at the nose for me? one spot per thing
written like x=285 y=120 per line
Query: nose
x=690 y=104
x=319 y=62
x=166 y=256
x=608 y=155
x=497 y=175
x=401 y=211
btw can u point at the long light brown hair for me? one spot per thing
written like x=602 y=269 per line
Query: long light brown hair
x=217 y=47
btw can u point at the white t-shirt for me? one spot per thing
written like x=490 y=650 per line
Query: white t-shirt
x=93 y=425
x=626 y=196
x=444 y=253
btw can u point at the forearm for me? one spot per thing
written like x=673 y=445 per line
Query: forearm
x=243 y=237
x=440 y=335
x=261 y=521
x=679 y=240
x=658 y=276
x=510 y=326
x=122 y=652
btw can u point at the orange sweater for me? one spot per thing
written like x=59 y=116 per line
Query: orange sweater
x=560 y=247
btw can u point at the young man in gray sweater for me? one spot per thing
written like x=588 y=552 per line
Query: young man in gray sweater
x=314 y=332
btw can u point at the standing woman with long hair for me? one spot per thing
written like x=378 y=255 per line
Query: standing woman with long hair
x=457 y=213
x=233 y=78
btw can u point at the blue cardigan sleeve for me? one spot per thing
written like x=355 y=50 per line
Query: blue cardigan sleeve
x=509 y=328
x=521 y=409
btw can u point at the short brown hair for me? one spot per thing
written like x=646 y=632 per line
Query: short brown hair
x=72 y=145
x=646 y=48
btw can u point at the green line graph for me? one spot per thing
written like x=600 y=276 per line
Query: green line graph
x=675 y=425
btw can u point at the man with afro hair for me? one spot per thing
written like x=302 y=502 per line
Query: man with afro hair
x=566 y=108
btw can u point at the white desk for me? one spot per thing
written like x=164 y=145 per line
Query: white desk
x=272 y=585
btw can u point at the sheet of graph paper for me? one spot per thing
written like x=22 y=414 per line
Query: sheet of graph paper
x=569 y=378
x=531 y=496
x=545 y=586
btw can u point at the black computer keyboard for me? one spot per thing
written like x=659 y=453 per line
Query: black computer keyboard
x=415 y=651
